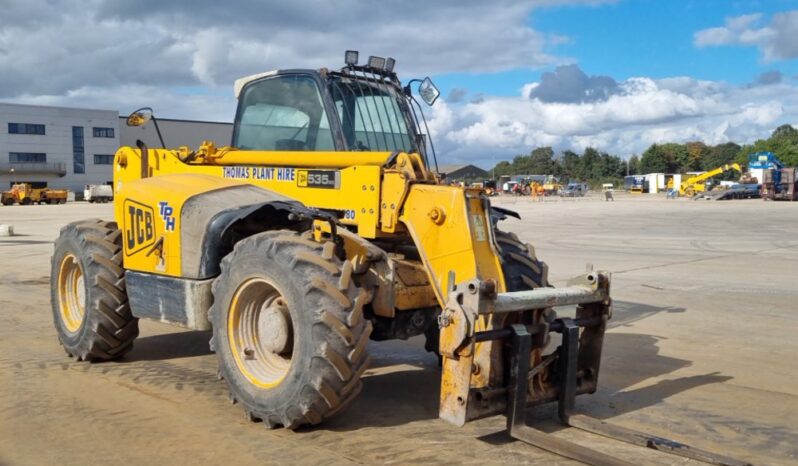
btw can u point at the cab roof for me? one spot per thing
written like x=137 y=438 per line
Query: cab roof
x=241 y=82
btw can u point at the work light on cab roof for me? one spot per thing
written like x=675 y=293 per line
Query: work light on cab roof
x=374 y=62
x=385 y=67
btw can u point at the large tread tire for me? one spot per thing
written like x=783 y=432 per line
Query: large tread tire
x=331 y=333
x=522 y=271
x=521 y=267
x=108 y=328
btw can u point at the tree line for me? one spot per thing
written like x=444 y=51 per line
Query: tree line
x=595 y=166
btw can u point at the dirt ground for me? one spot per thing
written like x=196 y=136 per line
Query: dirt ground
x=702 y=348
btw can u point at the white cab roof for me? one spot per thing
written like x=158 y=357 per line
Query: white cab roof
x=241 y=82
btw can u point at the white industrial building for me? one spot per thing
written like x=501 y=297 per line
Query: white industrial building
x=56 y=147
x=69 y=148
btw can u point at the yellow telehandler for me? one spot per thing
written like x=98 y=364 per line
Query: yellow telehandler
x=697 y=184
x=323 y=226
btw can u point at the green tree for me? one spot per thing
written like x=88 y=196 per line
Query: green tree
x=570 y=165
x=677 y=157
x=614 y=167
x=542 y=162
x=720 y=155
x=653 y=160
x=590 y=164
x=696 y=152
x=783 y=142
x=503 y=168
x=785 y=131
x=521 y=164
x=666 y=158
x=633 y=165
x=594 y=166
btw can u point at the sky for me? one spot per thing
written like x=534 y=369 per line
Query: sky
x=617 y=75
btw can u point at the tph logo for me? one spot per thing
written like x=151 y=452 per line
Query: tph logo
x=166 y=214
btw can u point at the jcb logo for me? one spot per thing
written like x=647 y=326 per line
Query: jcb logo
x=139 y=226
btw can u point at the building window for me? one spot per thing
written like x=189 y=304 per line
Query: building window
x=78 y=154
x=27 y=157
x=25 y=128
x=103 y=132
x=103 y=159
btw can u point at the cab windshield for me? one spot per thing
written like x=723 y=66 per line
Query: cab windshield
x=372 y=115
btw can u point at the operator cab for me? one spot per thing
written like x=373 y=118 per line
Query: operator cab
x=359 y=108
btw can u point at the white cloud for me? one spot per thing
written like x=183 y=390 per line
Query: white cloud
x=569 y=84
x=737 y=30
x=57 y=46
x=776 y=40
x=642 y=112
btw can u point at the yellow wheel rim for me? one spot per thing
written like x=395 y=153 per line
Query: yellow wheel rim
x=260 y=332
x=71 y=293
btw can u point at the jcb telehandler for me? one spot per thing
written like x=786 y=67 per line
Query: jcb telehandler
x=321 y=226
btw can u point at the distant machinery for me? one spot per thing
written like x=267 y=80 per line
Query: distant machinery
x=635 y=184
x=696 y=184
x=759 y=161
x=778 y=182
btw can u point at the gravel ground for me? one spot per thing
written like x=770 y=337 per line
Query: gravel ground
x=701 y=349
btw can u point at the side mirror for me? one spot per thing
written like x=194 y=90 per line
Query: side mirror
x=140 y=117
x=428 y=92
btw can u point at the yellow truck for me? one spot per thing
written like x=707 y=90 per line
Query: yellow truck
x=25 y=194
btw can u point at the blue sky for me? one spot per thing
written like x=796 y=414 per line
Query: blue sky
x=631 y=38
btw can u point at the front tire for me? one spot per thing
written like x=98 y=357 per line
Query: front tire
x=288 y=329
x=87 y=285
x=521 y=268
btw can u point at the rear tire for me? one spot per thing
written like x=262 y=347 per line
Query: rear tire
x=316 y=371
x=87 y=282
